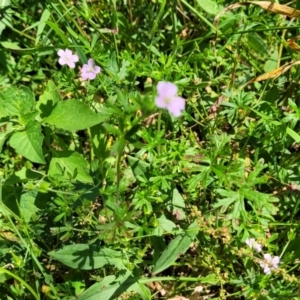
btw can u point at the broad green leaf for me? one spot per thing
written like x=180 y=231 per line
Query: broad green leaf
x=176 y=247
x=27 y=206
x=45 y=16
x=139 y=167
x=7 y=16
x=17 y=101
x=73 y=115
x=293 y=134
x=166 y=224
x=111 y=288
x=210 y=6
x=89 y=257
x=10 y=45
x=22 y=175
x=2 y=140
x=58 y=31
x=29 y=142
x=48 y=99
x=70 y=162
x=177 y=206
x=257 y=43
x=271 y=63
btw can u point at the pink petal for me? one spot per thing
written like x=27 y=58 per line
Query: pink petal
x=91 y=62
x=160 y=102
x=267 y=270
x=97 y=69
x=61 y=52
x=71 y=64
x=68 y=52
x=92 y=76
x=275 y=260
x=62 y=61
x=166 y=89
x=268 y=257
x=176 y=106
x=75 y=58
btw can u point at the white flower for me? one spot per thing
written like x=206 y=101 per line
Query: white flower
x=67 y=58
x=269 y=263
x=253 y=244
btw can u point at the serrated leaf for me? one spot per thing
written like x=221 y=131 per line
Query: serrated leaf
x=73 y=115
x=69 y=161
x=29 y=142
x=176 y=247
x=27 y=206
x=17 y=101
x=89 y=257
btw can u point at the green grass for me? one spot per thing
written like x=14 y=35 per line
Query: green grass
x=105 y=196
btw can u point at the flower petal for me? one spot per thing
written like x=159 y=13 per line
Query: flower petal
x=160 y=102
x=176 y=106
x=166 y=89
x=75 y=58
x=71 y=64
x=62 y=61
x=91 y=63
x=275 y=261
x=68 y=53
x=61 y=53
x=268 y=257
x=267 y=270
x=97 y=69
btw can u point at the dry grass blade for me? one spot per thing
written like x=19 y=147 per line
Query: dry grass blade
x=275 y=73
x=267 y=5
x=292 y=43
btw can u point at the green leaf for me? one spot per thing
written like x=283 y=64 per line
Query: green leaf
x=257 y=43
x=89 y=257
x=58 y=31
x=29 y=142
x=22 y=175
x=177 y=206
x=45 y=16
x=111 y=288
x=27 y=206
x=166 y=224
x=139 y=167
x=293 y=134
x=69 y=161
x=176 y=247
x=210 y=6
x=271 y=64
x=17 y=102
x=48 y=99
x=73 y=115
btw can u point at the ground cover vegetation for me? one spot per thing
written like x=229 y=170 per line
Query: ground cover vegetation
x=149 y=149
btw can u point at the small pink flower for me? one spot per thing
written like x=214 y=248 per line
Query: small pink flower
x=67 y=58
x=253 y=244
x=269 y=263
x=90 y=70
x=167 y=98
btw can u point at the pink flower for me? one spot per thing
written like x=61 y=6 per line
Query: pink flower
x=90 y=70
x=67 y=58
x=269 y=263
x=253 y=244
x=167 y=98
